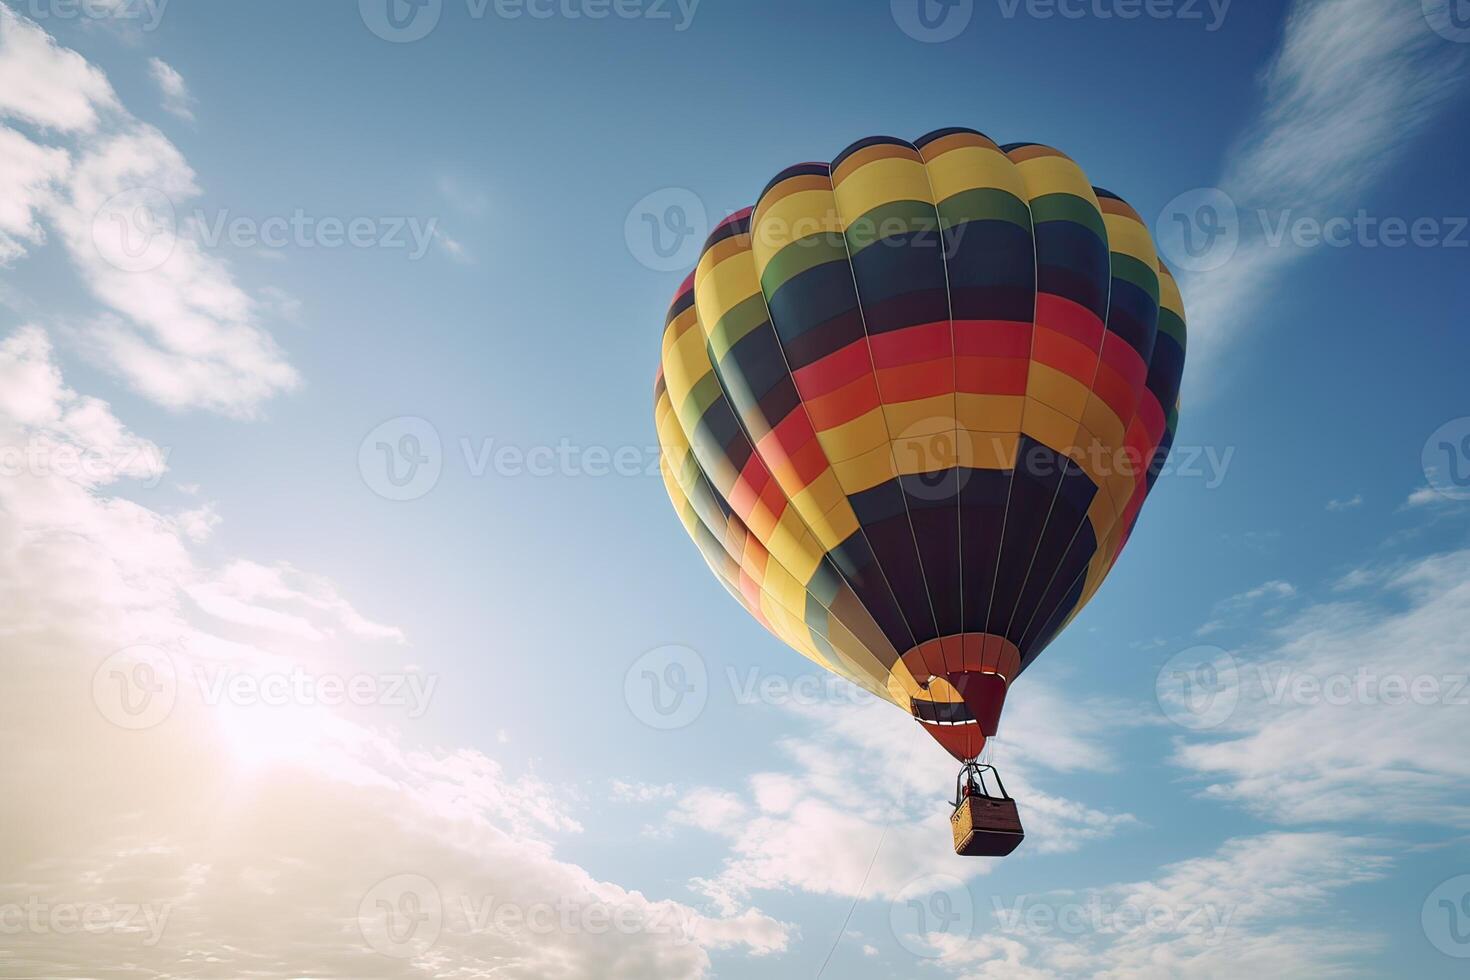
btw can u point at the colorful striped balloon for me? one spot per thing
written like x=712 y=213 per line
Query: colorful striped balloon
x=911 y=405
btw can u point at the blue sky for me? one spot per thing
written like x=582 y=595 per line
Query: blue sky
x=244 y=247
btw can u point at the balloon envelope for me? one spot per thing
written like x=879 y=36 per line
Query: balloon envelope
x=910 y=406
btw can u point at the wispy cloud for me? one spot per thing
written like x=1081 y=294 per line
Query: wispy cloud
x=1275 y=590
x=817 y=826
x=1428 y=497
x=223 y=837
x=1352 y=710
x=176 y=96
x=175 y=323
x=1352 y=85
x=1340 y=504
x=1253 y=908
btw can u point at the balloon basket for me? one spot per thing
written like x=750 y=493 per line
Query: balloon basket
x=984 y=825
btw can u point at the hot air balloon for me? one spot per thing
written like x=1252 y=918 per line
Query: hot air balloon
x=910 y=406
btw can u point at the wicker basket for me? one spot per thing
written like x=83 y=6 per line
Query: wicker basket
x=985 y=826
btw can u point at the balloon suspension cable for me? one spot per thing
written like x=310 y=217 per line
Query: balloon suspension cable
x=863 y=885
x=972 y=781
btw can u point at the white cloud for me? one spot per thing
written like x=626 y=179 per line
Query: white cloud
x=1426 y=497
x=47 y=85
x=29 y=175
x=1345 y=503
x=228 y=837
x=176 y=97
x=1353 y=83
x=453 y=248
x=1354 y=710
x=864 y=789
x=1272 y=591
x=642 y=792
x=283 y=599
x=1251 y=909
x=188 y=335
x=176 y=324
x=198 y=524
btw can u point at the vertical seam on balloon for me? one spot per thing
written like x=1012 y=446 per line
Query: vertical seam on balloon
x=1000 y=546
x=1082 y=575
x=826 y=634
x=893 y=456
x=1067 y=466
x=801 y=402
x=955 y=401
x=1126 y=426
x=733 y=517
